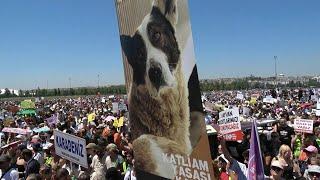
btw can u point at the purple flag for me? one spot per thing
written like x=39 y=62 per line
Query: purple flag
x=255 y=164
x=53 y=120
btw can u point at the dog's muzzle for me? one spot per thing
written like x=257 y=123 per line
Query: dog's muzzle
x=155 y=75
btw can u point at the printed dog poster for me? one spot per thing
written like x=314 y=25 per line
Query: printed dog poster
x=165 y=111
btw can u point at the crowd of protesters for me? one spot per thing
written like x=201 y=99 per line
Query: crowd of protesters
x=286 y=153
x=32 y=155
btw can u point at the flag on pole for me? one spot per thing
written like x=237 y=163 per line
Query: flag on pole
x=255 y=164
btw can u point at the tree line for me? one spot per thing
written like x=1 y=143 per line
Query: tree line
x=118 y=89
x=246 y=84
x=205 y=85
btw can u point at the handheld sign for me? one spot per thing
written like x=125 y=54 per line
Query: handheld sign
x=229 y=121
x=165 y=108
x=71 y=147
x=240 y=96
x=303 y=125
x=318 y=104
x=269 y=100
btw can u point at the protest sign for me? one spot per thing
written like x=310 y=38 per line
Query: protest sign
x=71 y=147
x=115 y=107
x=318 y=104
x=157 y=95
x=269 y=100
x=303 y=125
x=229 y=121
x=240 y=96
x=103 y=100
x=246 y=111
x=314 y=98
x=318 y=112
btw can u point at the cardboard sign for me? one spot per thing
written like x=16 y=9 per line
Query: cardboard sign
x=314 y=98
x=156 y=40
x=269 y=100
x=115 y=107
x=303 y=125
x=71 y=147
x=234 y=136
x=240 y=96
x=229 y=121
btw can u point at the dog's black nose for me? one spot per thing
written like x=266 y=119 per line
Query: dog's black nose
x=155 y=75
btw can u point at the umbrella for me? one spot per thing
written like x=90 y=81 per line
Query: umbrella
x=16 y=130
x=27 y=112
x=27 y=104
x=43 y=129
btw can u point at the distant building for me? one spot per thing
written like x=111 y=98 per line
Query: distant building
x=317 y=78
x=12 y=91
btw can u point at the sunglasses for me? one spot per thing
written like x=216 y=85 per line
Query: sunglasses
x=276 y=169
x=312 y=174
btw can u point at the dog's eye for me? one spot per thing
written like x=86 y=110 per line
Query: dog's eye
x=156 y=36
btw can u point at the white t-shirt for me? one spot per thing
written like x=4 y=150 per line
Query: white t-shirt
x=12 y=174
x=39 y=157
x=129 y=176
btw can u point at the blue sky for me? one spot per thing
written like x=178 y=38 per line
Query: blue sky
x=53 y=40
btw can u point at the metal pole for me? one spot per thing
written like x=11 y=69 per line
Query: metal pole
x=275 y=70
x=275 y=66
x=98 y=80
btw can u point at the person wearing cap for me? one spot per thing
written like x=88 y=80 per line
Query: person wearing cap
x=98 y=172
x=310 y=151
x=312 y=173
x=7 y=171
x=276 y=171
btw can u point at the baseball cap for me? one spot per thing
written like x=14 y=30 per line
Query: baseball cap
x=311 y=149
x=92 y=146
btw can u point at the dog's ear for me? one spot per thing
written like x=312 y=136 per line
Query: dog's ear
x=126 y=44
x=169 y=9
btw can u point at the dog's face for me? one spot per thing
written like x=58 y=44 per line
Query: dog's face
x=153 y=51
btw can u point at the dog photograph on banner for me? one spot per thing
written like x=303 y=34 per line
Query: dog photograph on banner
x=165 y=110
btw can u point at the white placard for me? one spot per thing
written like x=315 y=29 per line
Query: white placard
x=71 y=147
x=115 y=107
x=318 y=104
x=229 y=121
x=314 y=98
x=240 y=96
x=303 y=125
x=318 y=112
x=269 y=100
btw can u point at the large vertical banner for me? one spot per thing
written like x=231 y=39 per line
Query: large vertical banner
x=165 y=110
